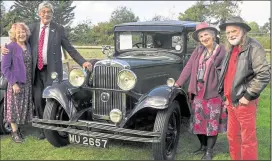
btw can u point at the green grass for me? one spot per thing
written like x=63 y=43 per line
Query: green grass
x=33 y=149
x=87 y=54
x=268 y=57
x=91 y=53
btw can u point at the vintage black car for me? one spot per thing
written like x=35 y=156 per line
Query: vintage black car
x=5 y=127
x=128 y=96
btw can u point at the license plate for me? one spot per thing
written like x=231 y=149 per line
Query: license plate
x=90 y=141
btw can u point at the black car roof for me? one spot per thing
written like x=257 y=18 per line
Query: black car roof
x=160 y=23
x=168 y=25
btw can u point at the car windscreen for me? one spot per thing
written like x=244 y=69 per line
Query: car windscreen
x=172 y=41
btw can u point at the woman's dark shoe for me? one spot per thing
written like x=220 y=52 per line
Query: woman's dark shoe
x=208 y=154
x=16 y=137
x=202 y=149
x=20 y=133
x=41 y=135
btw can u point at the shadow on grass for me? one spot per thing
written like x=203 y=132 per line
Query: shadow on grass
x=29 y=130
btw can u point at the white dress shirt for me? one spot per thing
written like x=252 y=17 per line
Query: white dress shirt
x=45 y=43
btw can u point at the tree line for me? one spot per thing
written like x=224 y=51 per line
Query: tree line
x=86 y=33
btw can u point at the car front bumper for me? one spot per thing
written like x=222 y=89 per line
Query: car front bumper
x=97 y=129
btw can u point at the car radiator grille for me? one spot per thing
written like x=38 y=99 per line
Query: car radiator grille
x=106 y=77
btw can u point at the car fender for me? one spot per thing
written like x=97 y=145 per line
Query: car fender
x=158 y=98
x=59 y=92
x=2 y=94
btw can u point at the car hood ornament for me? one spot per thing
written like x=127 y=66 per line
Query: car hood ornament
x=108 y=51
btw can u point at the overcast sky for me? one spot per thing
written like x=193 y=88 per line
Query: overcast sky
x=99 y=11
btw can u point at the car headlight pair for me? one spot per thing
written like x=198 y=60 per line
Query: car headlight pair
x=126 y=79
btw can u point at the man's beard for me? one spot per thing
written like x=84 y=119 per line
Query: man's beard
x=237 y=40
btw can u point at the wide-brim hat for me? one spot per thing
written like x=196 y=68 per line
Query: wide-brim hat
x=202 y=26
x=236 y=21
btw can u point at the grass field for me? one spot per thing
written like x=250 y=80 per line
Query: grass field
x=91 y=53
x=33 y=149
x=88 y=54
x=268 y=57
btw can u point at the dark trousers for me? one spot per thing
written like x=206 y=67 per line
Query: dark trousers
x=38 y=87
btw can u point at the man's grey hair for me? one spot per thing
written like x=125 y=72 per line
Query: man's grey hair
x=47 y=5
x=211 y=32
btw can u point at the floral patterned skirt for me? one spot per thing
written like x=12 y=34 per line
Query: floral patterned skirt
x=19 y=107
x=209 y=117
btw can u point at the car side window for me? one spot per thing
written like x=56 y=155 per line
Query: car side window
x=191 y=43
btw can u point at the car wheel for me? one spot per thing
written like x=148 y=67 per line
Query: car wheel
x=54 y=111
x=168 y=123
x=5 y=127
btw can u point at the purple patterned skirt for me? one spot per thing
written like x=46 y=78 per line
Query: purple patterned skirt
x=209 y=117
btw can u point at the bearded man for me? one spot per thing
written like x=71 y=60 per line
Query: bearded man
x=244 y=75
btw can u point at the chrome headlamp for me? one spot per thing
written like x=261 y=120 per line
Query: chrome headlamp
x=54 y=75
x=77 y=77
x=115 y=115
x=170 y=82
x=126 y=79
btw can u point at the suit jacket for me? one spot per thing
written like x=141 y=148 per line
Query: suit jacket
x=56 y=40
x=13 y=66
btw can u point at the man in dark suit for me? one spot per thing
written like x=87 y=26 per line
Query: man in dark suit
x=46 y=41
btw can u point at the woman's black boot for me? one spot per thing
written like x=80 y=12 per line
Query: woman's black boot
x=210 y=144
x=203 y=144
x=208 y=154
x=202 y=149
